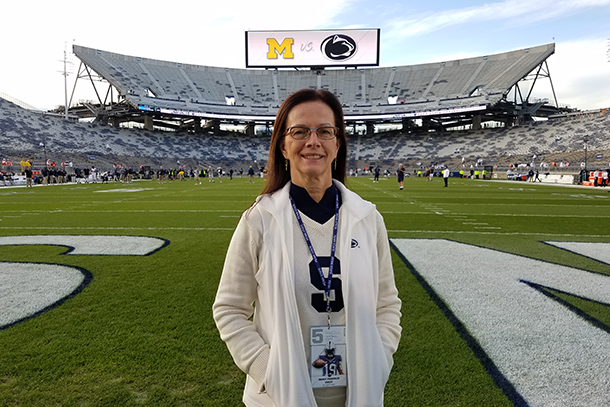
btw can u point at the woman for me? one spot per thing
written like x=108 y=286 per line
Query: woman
x=311 y=260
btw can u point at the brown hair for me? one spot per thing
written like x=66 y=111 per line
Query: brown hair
x=277 y=175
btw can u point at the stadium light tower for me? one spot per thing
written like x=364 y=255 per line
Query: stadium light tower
x=65 y=74
x=585 y=139
x=44 y=147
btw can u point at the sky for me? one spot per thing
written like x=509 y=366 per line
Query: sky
x=35 y=35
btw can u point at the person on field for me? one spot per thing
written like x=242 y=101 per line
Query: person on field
x=307 y=287
x=595 y=177
x=537 y=176
x=400 y=176
x=45 y=176
x=196 y=176
x=28 y=177
x=446 y=175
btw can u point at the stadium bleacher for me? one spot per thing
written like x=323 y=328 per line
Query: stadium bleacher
x=95 y=144
x=203 y=90
x=224 y=92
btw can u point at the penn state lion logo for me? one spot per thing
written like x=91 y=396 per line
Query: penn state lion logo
x=338 y=47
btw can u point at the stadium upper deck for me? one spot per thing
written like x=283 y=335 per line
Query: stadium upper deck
x=173 y=89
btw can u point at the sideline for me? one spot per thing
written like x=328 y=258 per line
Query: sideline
x=506 y=181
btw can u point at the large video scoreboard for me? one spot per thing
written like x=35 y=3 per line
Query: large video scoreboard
x=319 y=48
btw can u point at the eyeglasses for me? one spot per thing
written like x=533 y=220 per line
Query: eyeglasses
x=303 y=133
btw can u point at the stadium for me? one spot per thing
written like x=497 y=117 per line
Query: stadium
x=152 y=113
x=106 y=289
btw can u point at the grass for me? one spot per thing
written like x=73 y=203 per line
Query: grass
x=142 y=334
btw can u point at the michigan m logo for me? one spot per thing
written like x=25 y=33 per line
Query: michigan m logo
x=276 y=49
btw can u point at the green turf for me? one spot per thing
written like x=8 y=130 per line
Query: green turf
x=142 y=334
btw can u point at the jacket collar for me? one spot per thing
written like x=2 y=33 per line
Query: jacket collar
x=277 y=202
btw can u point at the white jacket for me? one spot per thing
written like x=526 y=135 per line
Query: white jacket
x=270 y=348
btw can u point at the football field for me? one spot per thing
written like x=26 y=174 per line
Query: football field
x=106 y=292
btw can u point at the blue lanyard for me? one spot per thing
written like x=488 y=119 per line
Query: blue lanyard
x=325 y=281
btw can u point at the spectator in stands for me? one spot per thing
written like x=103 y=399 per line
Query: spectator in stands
x=400 y=176
x=268 y=308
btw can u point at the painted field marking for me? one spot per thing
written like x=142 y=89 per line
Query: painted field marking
x=92 y=245
x=28 y=290
x=538 y=350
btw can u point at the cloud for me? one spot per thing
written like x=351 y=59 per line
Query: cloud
x=511 y=12
x=580 y=72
